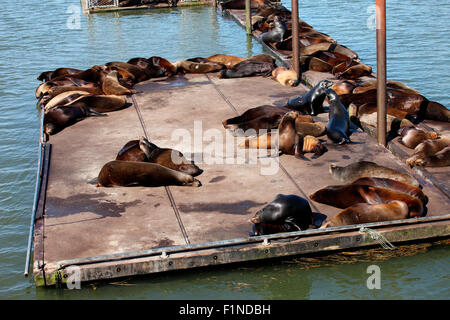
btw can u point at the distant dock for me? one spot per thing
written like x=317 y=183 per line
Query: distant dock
x=87 y=8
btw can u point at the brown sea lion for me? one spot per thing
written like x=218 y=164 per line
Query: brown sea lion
x=315 y=129
x=427 y=148
x=45 y=87
x=64 y=98
x=195 y=67
x=363 y=169
x=394 y=185
x=248 y=68
x=138 y=73
x=154 y=67
x=227 y=60
x=344 y=86
x=262 y=58
x=348 y=195
x=351 y=70
x=240 y=4
x=286 y=77
x=127 y=173
x=411 y=136
x=261 y=117
x=100 y=103
x=111 y=86
x=392 y=123
x=330 y=47
x=54 y=91
x=143 y=150
x=49 y=75
x=285 y=213
x=61 y=117
x=370 y=108
x=314 y=64
x=366 y=213
x=439 y=159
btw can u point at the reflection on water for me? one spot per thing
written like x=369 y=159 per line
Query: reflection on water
x=35 y=38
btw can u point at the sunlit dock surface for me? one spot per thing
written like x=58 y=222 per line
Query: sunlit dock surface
x=125 y=231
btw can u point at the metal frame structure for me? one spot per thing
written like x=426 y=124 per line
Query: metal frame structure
x=101 y=4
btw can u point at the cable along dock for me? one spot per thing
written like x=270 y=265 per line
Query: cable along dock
x=127 y=231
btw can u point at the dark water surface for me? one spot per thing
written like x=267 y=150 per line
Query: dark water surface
x=35 y=37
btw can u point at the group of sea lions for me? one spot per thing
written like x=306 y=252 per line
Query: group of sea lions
x=371 y=193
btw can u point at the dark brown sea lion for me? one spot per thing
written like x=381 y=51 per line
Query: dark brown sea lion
x=344 y=86
x=248 y=68
x=227 y=60
x=262 y=58
x=366 y=213
x=439 y=159
x=351 y=70
x=312 y=102
x=262 y=117
x=100 y=103
x=143 y=150
x=138 y=73
x=240 y=4
x=330 y=47
x=427 y=148
x=411 y=136
x=276 y=34
x=61 y=117
x=348 y=195
x=285 y=213
x=363 y=169
x=394 y=185
x=127 y=173
x=49 y=75
x=315 y=129
x=338 y=128
x=164 y=65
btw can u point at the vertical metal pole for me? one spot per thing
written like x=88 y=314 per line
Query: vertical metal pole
x=248 y=18
x=381 y=71
x=295 y=39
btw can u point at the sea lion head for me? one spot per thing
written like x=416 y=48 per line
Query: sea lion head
x=331 y=95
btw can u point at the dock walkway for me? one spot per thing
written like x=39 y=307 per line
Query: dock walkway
x=125 y=231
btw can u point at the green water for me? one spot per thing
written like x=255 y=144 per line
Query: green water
x=35 y=37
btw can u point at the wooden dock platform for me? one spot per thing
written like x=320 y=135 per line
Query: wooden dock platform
x=191 y=3
x=125 y=231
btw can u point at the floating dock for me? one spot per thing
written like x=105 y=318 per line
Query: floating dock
x=124 y=231
x=107 y=6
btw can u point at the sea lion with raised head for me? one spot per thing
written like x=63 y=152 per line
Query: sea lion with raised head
x=285 y=213
x=143 y=150
x=338 y=128
x=111 y=85
x=312 y=102
x=363 y=169
x=347 y=195
x=366 y=213
x=127 y=173
x=276 y=34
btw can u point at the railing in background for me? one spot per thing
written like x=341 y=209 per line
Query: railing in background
x=101 y=3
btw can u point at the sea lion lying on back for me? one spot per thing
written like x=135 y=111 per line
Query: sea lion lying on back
x=285 y=213
x=127 y=173
x=348 y=195
x=366 y=213
x=143 y=150
x=363 y=169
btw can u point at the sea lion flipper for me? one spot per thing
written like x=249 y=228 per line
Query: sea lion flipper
x=92 y=113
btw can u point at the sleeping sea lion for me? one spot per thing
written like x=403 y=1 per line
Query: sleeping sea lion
x=100 y=103
x=111 y=86
x=285 y=76
x=411 y=136
x=366 y=213
x=127 y=173
x=285 y=213
x=363 y=169
x=143 y=150
x=196 y=67
x=49 y=75
x=427 y=148
x=248 y=68
x=63 y=98
x=227 y=60
x=439 y=159
x=347 y=195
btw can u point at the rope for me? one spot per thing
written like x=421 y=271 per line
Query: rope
x=375 y=235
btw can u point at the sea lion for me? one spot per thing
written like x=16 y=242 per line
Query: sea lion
x=348 y=195
x=312 y=102
x=240 y=4
x=227 y=60
x=45 y=87
x=314 y=64
x=285 y=213
x=111 y=86
x=49 y=75
x=393 y=124
x=363 y=169
x=370 y=108
x=394 y=185
x=262 y=58
x=195 y=67
x=351 y=70
x=248 y=68
x=100 y=103
x=440 y=159
x=344 y=86
x=366 y=213
x=61 y=117
x=276 y=34
x=330 y=47
x=127 y=173
x=315 y=129
x=138 y=73
x=285 y=76
x=411 y=136
x=54 y=91
x=261 y=117
x=338 y=128
x=143 y=150
x=63 y=98
x=427 y=148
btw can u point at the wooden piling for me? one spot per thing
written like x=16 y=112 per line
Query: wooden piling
x=248 y=18
x=381 y=71
x=295 y=35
